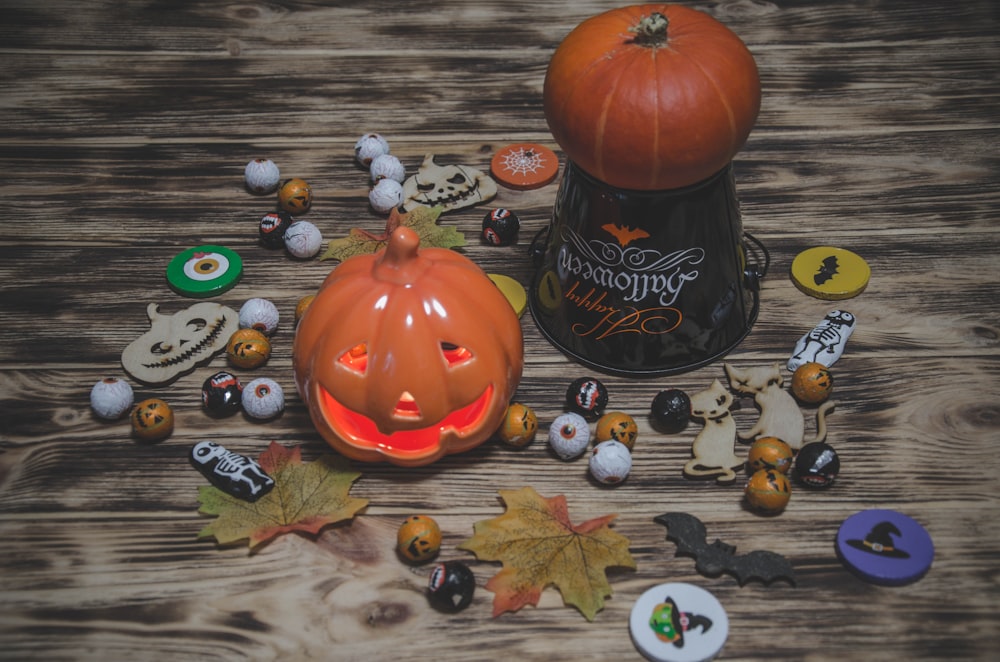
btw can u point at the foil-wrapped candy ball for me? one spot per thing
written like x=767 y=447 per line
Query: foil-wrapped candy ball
x=617 y=426
x=451 y=586
x=500 y=227
x=817 y=465
x=418 y=538
x=768 y=491
x=263 y=399
x=295 y=196
x=248 y=348
x=303 y=240
x=368 y=147
x=260 y=314
x=273 y=227
x=111 y=398
x=261 y=176
x=671 y=410
x=222 y=394
x=569 y=435
x=587 y=396
x=386 y=166
x=152 y=420
x=610 y=462
x=386 y=195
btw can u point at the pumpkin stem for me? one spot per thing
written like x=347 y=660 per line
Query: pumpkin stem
x=400 y=262
x=651 y=30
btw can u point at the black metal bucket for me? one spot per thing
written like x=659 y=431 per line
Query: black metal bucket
x=644 y=283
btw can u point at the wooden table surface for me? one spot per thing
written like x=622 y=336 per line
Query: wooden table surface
x=124 y=131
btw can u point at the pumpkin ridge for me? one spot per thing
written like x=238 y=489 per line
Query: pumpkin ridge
x=723 y=99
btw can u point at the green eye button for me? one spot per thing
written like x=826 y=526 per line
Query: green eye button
x=204 y=271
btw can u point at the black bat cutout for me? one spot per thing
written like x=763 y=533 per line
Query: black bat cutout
x=713 y=559
x=828 y=270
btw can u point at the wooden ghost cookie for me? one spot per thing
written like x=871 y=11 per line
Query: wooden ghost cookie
x=176 y=344
x=451 y=187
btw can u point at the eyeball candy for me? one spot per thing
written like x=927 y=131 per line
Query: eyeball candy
x=248 y=348
x=303 y=239
x=263 y=399
x=418 y=538
x=587 y=396
x=259 y=314
x=768 y=491
x=368 y=147
x=386 y=195
x=295 y=196
x=519 y=425
x=610 y=462
x=617 y=426
x=222 y=394
x=273 y=227
x=261 y=176
x=451 y=586
x=386 y=166
x=569 y=435
x=110 y=398
x=500 y=227
x=152 y=420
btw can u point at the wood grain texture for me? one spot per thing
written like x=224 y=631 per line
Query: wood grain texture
x=124 y=130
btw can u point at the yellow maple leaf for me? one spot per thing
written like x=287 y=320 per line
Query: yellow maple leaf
x=539 y=546
x=306 y=497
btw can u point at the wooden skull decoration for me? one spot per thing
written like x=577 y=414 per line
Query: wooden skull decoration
x=450 y=187
x=408 y=354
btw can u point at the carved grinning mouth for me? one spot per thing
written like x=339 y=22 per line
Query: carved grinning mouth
x=215 y=330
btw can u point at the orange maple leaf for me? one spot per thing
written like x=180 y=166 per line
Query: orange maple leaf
x=305 y=497
x=539 y=546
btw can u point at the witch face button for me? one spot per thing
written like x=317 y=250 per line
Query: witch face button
x=885 y=547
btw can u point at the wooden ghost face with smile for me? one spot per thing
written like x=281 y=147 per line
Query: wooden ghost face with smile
x=176 y=344
x=450 y=187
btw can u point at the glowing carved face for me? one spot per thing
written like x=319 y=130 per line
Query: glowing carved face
x=451 y=187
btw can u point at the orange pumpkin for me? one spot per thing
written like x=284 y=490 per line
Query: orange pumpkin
x=408 y=354
x=651 y=97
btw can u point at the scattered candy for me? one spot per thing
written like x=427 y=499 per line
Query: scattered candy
x=234 y=474
x=610 y=462
x=259 y=314
x=152 y=420
x=386 y=195
x=825 y=343
x=204 y=271
x=617 y=426
x=812 y=383
x=768 y=491
x=111 y=398
x=368 y=147
x=302 y=305
x=524 y=166
x=817 y=465
x=519 y=425
x=418 y=538
x=587 y=396
x=500 y=227
x=569 y=435
x=248 y=348
x=295 y=196
x=451 y=586
x=261 y=176
x=303 y=239
x=769 y=453
x=885 y=547
x=263 y=399
x=222 y=394
x=272 y=228
x=387 y=166
x=671 y=410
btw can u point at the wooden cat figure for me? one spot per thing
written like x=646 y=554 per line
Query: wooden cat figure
x=713 y=448
x=779 y=413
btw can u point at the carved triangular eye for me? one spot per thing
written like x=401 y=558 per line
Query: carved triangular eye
x=455 y=354
x=356 y=358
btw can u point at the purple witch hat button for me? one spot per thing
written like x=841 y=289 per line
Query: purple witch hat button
x=885 y=547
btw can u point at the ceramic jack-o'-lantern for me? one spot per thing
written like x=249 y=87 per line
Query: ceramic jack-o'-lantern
x=407 y=355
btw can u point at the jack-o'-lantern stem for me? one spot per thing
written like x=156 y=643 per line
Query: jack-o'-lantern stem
x=651 y=31
x=400 y=263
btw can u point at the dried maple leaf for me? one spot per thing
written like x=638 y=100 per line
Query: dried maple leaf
x=305 y=497
x=539 y=546
x=423 y=220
